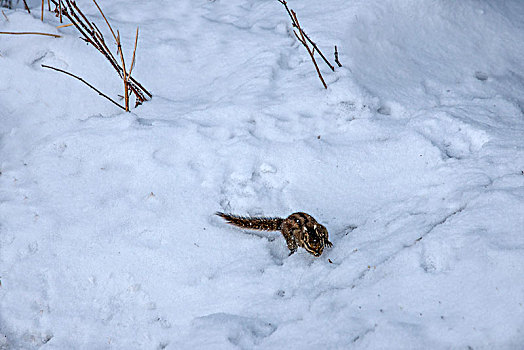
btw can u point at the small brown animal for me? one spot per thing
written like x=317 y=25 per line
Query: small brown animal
x=299 y=229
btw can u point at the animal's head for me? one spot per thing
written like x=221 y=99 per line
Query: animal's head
x=315 y=238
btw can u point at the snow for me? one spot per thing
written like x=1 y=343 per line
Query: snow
x=413 y=158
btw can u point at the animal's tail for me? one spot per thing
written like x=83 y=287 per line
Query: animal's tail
x=253 y=223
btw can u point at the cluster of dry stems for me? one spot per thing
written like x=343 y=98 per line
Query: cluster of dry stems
x=93 y=36
x=304 y=39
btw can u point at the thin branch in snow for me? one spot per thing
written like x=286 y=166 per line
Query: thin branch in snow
x=102 y=13
x=64 y=25
x=32 y=33
x=27 y=7
x=303 y=41
x=295 y=25
x=336 y=57
x=134 y=53
x=85 y=82
x=126 y=89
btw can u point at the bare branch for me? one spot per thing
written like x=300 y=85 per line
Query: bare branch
x=126 y=90
x=27 y=7
x=102 y=13
x=64 y=25
x=85 y=82
x=336 y=57
x=134 y=52
x=31 y=33
x=315 y=47
x=307 y=48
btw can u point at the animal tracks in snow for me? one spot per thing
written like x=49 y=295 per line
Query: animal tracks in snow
x=259 y=184
x=453 y=138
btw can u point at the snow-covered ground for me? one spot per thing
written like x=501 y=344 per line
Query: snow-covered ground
x=413 y=159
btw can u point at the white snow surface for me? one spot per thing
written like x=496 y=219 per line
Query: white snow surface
x=413 y=158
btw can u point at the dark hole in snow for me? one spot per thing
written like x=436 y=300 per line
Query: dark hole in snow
x=384 y=110
x=47 y=338
x=481 y=76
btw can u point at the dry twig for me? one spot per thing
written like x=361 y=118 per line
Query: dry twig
x=27 y=7
x=336 y=57
x=283 y=2
x=7 y=19
x=64 y=25
x=302 y=39
x=102 y=13
x=31 y=33
x=85 y=82
x=134 y=53
x=126 y=90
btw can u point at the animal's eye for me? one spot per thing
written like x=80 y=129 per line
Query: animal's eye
x=297 y=221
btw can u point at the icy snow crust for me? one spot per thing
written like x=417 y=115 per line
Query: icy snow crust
x=412 y=158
